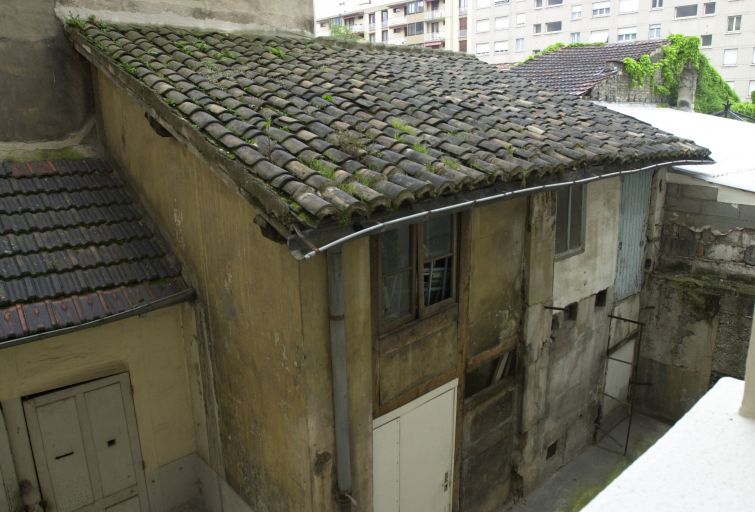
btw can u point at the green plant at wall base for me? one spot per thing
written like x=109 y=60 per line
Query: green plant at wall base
x=681 y=52
x=747 y=109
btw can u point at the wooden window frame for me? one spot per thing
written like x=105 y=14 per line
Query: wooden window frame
x=582 y=231
x=419 y=309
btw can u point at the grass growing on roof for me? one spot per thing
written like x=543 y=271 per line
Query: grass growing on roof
x=401 y=126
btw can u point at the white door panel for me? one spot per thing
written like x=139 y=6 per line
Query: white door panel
x=385 y=453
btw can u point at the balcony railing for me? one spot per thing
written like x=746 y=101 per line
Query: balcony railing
x=434 y=36
x=434 y=15
x=372 y=27
x=462 y=33
x=356 y=27
x=463 y=10
x=397 y=20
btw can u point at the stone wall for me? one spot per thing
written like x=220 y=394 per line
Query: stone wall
x=45 y=83
x=618 y=89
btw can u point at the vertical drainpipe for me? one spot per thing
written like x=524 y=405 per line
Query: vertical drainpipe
x=340 y=377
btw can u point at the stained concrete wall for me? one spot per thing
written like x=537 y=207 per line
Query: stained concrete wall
x=154 y=348
x=221 y=14
x=45 y=83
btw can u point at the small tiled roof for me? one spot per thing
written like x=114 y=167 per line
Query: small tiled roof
x=577 y=69
x=74 y=248
x=316 y=129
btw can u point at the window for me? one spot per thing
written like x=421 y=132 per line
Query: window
x=372 y=18
x=629 y=6
x=574 y=37
x=554 y=26
x=502 y=23
x=753 y=55
x=709 y=8
x=576 y=12
x=519 y=45
x=734 y=23
x=569 y=219
x=599 y=36
x=415 y=7
x=537 y=28
x=627 y=34
x=482 y=49
x=487 y=373
x=552 y=3
x=384 y=16
x=417 y=269
x=601 y=8
x=656 y=4
x=751 y=89
x=654 y=32
x=372 y=38
x=384 y=36
x=686 y=11
x=730 y=57
x=501 y=2
x=706 y=40
x=501 y=46
x=483 y=25
x=538 y=4
x=413 y=29
x=463 y=46
x=520 y=20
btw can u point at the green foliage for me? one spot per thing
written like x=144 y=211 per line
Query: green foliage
x=322 y=167
x=343 y=32
x=401 y=126
x=74 y=21
x=328 y=98
x=681 y=52
x=277 y=52
x=752 y=96
x=419 y=147
x=747 y=109
x=557 y=46
x=450 y=163
x=128 y=68
x=201 y=46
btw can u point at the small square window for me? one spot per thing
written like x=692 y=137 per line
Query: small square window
x=574 y=37
x=519 y=45
x=537 y=28
x=520 y=20
x=686 y=11
x=570 y=204
x=601 y=8
x=654 y=32
x=706 y=40
x=734 y=23
x=709 y=8
x=600 y=298
x=656 y=4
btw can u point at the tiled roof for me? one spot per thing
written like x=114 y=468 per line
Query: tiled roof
x=314 y=129
x=74 y=248
x=577 y=69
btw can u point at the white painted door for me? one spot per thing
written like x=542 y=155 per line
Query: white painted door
x=413 y=454
x=86 y=447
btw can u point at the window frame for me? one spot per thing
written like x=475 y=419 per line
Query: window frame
x=735 y=29
x=559 y=29
x=736 y=57
x=705 y=9
x=582 y=229
x=652 y=31
x=677 y=7
x=419 y=310
x=656 y=4
x=601 y=10
x=702 y=41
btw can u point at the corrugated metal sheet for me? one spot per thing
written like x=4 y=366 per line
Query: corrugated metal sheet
x=635 y=203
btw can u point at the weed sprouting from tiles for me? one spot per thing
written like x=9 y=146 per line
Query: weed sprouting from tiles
x=169 y=102
x=451 y=164
x=128 y=68
x=267 y=124
x=277 y=52
x=419 y=147
x=364 y=180
x=401 y=126
x=350 y=143
x=328 y=98
x=201 y=46
x=73 y=20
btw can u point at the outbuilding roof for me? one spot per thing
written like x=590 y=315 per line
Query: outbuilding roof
x=577 y=69
x=315 y=130
x=74 y=249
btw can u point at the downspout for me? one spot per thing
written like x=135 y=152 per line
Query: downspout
x=340 y=378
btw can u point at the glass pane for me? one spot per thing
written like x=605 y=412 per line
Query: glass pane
x=395 y=250
x=437 y=276
x=562 y=219
x=397 y=295
x=575 y=226
x=438 y=237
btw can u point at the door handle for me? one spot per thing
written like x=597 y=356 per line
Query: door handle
x=63 y=456
x=445 y=482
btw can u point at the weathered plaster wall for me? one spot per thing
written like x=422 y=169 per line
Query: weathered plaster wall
x=248 y=289
x=219 y=14
x=152 y=348
x=45 y=83
x=584 y=274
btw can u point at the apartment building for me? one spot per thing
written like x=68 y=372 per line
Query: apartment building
x=507 y=31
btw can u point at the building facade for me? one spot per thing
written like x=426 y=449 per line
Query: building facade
x=507 y=31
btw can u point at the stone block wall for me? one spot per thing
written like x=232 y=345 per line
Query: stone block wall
x=618 y=89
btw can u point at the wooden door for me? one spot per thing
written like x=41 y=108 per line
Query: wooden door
x=86 y=447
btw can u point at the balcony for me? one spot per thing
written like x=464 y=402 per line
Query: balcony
x=356 y=27
x=432 y=37
x=462 y=33
x=463 y=10
x=396 y=21
x=436 y=14
x=372 y=27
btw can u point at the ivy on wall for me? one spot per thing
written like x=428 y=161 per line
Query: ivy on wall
x=682 y=51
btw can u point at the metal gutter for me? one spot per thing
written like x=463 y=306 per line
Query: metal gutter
x=379 y=227
x=170 y=300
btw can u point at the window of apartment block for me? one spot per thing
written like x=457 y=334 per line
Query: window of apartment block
x=753 y=55
x=372 y=38
x=627 y=34
x=483 y=25
x=686 y=11
x=519 y=45
x=502 y=23
x=520 y=20
x=730 y=57
x=570 y=205
x=501 y=2
x=599 y=36
x=384 y=15
x=417 y=267
x=463 y=46
x=501 y=46
x=414 y=7
x=709 y=8
x=734 y=23
x=656 y=4
x=384 y=36
x=537 y=28
x=483 y=3
x=654 y=32
x=706 y=40
x=576 y=12
x=538 y=4
x=574 y=37
x=601 y=8
x=751 y=88
x=552 y=3
x=629 y=6
x=553 y=26
x=413 y=29
x=372 y=18
x=482 y=48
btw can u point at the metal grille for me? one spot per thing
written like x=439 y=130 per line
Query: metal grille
x=635 y=203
